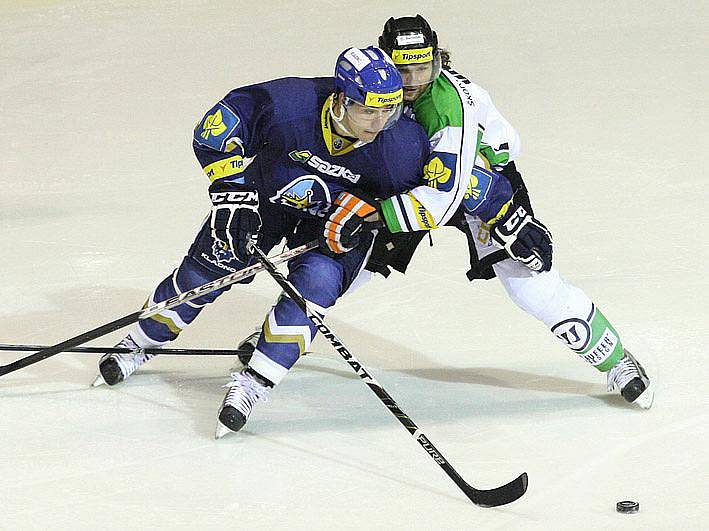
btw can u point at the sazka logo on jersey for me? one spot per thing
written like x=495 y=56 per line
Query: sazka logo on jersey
x=322 y=166
x=308 y=193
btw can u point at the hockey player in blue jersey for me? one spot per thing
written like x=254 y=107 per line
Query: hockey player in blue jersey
x=292 y=158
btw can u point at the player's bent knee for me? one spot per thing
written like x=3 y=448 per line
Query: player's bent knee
x=318 y=278
x=191 y=274
x=547 y=296
x=536 y=292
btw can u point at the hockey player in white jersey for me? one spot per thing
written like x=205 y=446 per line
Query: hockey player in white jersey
x=437 y=97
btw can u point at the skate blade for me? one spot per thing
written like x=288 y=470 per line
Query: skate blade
x=98 y=381
x=222 y=430
x=646 y=398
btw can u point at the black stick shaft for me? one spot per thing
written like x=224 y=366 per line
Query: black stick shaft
x=69 y=343
x=152 y=310
x=123 y=350
x=485 y=498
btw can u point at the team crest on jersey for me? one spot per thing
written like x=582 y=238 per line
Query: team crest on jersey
x=439 y=172
x=308 y=193
x=217 y=128
x=478 y=187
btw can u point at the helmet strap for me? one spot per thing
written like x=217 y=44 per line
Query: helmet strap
x=338 y=119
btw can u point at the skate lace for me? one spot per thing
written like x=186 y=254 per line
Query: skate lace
x=130 y=362
x=622 y=373
x=244 y=392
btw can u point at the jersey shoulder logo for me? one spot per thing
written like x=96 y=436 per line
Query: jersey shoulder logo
x=439 y=172
x=217 y=127
x=478 y=187
x=213 y=125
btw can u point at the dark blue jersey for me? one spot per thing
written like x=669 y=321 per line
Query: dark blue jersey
x=278 y=136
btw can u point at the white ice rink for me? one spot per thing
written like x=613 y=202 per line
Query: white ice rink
x=100 y=196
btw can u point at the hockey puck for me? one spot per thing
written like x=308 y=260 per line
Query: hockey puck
x=627 y=506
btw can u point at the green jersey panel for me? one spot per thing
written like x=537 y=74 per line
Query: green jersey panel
x=439 y=107
x=465 y=130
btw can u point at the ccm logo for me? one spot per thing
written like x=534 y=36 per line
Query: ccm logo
x=250 y=196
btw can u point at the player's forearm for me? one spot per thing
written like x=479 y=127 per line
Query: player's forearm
x=486 y=195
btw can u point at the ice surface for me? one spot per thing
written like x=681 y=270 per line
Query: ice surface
x=101 y=196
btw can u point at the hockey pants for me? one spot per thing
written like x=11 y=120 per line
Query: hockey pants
x=286 y=331
x=565 y=309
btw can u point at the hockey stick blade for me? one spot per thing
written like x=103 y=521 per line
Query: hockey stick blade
x=134 y=317
x=483 y=498
x=503 y=495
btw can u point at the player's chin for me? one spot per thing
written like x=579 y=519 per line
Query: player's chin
x=368 y=136
x=411 y=93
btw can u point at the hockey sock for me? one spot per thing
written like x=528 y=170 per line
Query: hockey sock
x=593 y=339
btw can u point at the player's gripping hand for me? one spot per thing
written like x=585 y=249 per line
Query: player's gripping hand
x=525 y=238
x=235 y=219
x=349 y=218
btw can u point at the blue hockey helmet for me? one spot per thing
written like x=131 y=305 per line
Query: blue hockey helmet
x=369 y=77
x=372 y=90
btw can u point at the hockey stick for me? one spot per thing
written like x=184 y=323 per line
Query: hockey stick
x=483 y=498
x=124 y=350
x=151 y=310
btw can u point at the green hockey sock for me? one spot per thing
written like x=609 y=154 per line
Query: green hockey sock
x=594 y=339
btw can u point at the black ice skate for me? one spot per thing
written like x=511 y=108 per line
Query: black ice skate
x=630 y=378
x=248 y=345
x=245 y=389
x=114 y=368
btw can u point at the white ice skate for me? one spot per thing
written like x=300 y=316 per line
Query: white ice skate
x=629 y=377
x=244 y=391
x=114 y=368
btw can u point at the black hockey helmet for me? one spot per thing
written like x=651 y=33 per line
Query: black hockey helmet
x=411 y=42
x=407 y=33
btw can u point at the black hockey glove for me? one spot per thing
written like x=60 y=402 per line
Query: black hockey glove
x=350 y=217
x=235 y=219
x=524 y=238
